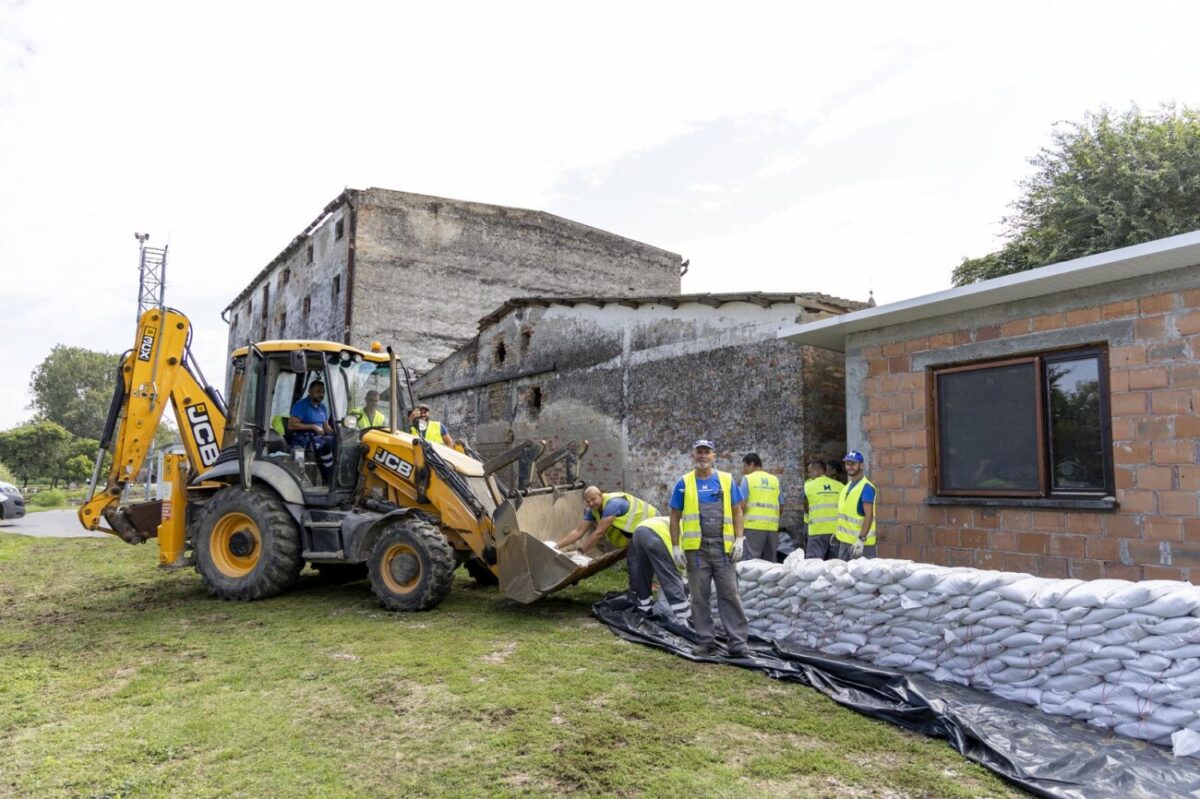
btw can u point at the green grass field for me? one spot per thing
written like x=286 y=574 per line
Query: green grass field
x=117 y=679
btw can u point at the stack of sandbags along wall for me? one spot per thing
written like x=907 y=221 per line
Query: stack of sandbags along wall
x=1117 y=654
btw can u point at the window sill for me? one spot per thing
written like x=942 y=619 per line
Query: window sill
x=1048 y=503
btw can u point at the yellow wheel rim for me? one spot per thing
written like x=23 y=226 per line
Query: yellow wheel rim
x=235 y=544
x=401 y=568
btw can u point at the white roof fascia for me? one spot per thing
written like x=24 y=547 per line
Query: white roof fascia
x=1160 y=255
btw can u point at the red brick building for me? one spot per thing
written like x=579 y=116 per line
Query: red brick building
x=1042 y=422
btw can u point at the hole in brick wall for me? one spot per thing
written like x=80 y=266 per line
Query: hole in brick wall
x=534 y=400
x=526 y=335
x=499 y=353
x=339 y=229
x=310 y=253
x=337 y=285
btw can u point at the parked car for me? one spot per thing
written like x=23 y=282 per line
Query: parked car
x=12 y=503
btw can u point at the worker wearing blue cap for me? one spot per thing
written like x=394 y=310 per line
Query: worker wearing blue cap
x=706 y=538
x=856 y=511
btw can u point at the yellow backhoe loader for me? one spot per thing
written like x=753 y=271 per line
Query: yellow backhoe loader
x=249 y=509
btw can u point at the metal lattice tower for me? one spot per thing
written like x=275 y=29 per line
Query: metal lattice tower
x=152 y=274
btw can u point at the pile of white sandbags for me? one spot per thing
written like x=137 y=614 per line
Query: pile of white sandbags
x=1117 y=654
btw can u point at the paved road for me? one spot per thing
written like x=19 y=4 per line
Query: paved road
x=49 y=524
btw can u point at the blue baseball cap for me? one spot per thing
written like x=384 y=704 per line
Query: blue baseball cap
x=703 y=442
x=854 y=455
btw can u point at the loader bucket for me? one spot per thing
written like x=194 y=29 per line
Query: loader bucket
x=529 y=570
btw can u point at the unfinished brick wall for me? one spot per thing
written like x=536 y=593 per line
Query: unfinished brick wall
x=1152 y=329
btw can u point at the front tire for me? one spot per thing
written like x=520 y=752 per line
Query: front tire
x=247 y=545
x=411 y=566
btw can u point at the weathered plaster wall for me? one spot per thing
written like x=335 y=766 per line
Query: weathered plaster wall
x=641 y=383
x=305 y=291
x=417 y=272
x=426 y=269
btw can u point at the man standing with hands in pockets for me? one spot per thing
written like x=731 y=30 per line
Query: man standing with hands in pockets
x=706 y=534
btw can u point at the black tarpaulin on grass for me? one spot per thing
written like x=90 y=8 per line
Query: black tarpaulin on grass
x=1048 y=755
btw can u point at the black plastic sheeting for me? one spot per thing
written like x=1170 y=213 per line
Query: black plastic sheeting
x=1047 y=755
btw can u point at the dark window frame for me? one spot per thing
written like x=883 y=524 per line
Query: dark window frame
x=1046 y=490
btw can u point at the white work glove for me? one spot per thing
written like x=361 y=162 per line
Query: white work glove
x=551 y=544
x=677 y=556
x=856 y=549
x=737 y=548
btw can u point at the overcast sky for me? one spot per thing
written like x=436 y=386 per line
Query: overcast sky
x=843 y=148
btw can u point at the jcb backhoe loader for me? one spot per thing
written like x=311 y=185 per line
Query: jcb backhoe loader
x=248 y=510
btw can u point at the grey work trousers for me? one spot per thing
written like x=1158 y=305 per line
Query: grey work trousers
x=844 y=551
x=761 y=545
x=647 y=558
x=707 y=565
x=821 y=547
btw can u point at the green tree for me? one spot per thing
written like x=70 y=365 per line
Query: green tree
x=35 y=450
x=1110 y=181
x=73 y=387
x=166 y=435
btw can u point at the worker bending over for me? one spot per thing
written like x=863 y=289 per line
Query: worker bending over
x=649 y=556
x=706 y=537
x=614 y=516
x=763 y=500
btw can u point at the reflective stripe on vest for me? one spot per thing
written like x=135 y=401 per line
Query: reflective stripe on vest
x=689 y=522
x=622 y=526
x=661 y=525
x=762 y=504
x=822 y=494
x=849 y=521
x=433 y=433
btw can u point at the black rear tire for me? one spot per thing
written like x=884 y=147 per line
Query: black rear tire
x=411 y=565
x=247 y=545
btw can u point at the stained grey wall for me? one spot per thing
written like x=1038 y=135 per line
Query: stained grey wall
x=641 y=384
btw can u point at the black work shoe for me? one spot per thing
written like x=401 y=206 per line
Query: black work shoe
x=705 y=650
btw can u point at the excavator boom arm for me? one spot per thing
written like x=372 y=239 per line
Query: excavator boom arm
x=156 y=371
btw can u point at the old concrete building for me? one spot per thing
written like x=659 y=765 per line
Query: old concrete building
x=641 y=378
x=415 y=272
x=1042 y=422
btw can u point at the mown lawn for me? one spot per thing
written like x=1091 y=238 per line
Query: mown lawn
x=117 y=679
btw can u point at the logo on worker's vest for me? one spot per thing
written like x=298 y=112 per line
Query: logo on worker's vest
x=203 y=434
x=393 y=463
x=147 y=343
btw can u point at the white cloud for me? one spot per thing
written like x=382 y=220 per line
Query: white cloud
x=224 y=127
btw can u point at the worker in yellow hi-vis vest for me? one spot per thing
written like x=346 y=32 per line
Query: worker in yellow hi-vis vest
x=764 y=498
x=428 y=429
x=706 y=533
x=820 y=503
x=612 y=516
x=856 y=511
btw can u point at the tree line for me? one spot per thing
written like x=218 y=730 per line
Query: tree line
x=71 y=389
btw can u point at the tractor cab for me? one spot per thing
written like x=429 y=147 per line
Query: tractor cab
x=282 y=392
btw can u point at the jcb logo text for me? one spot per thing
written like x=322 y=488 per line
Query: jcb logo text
x=393 y=463
x=203 y=434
